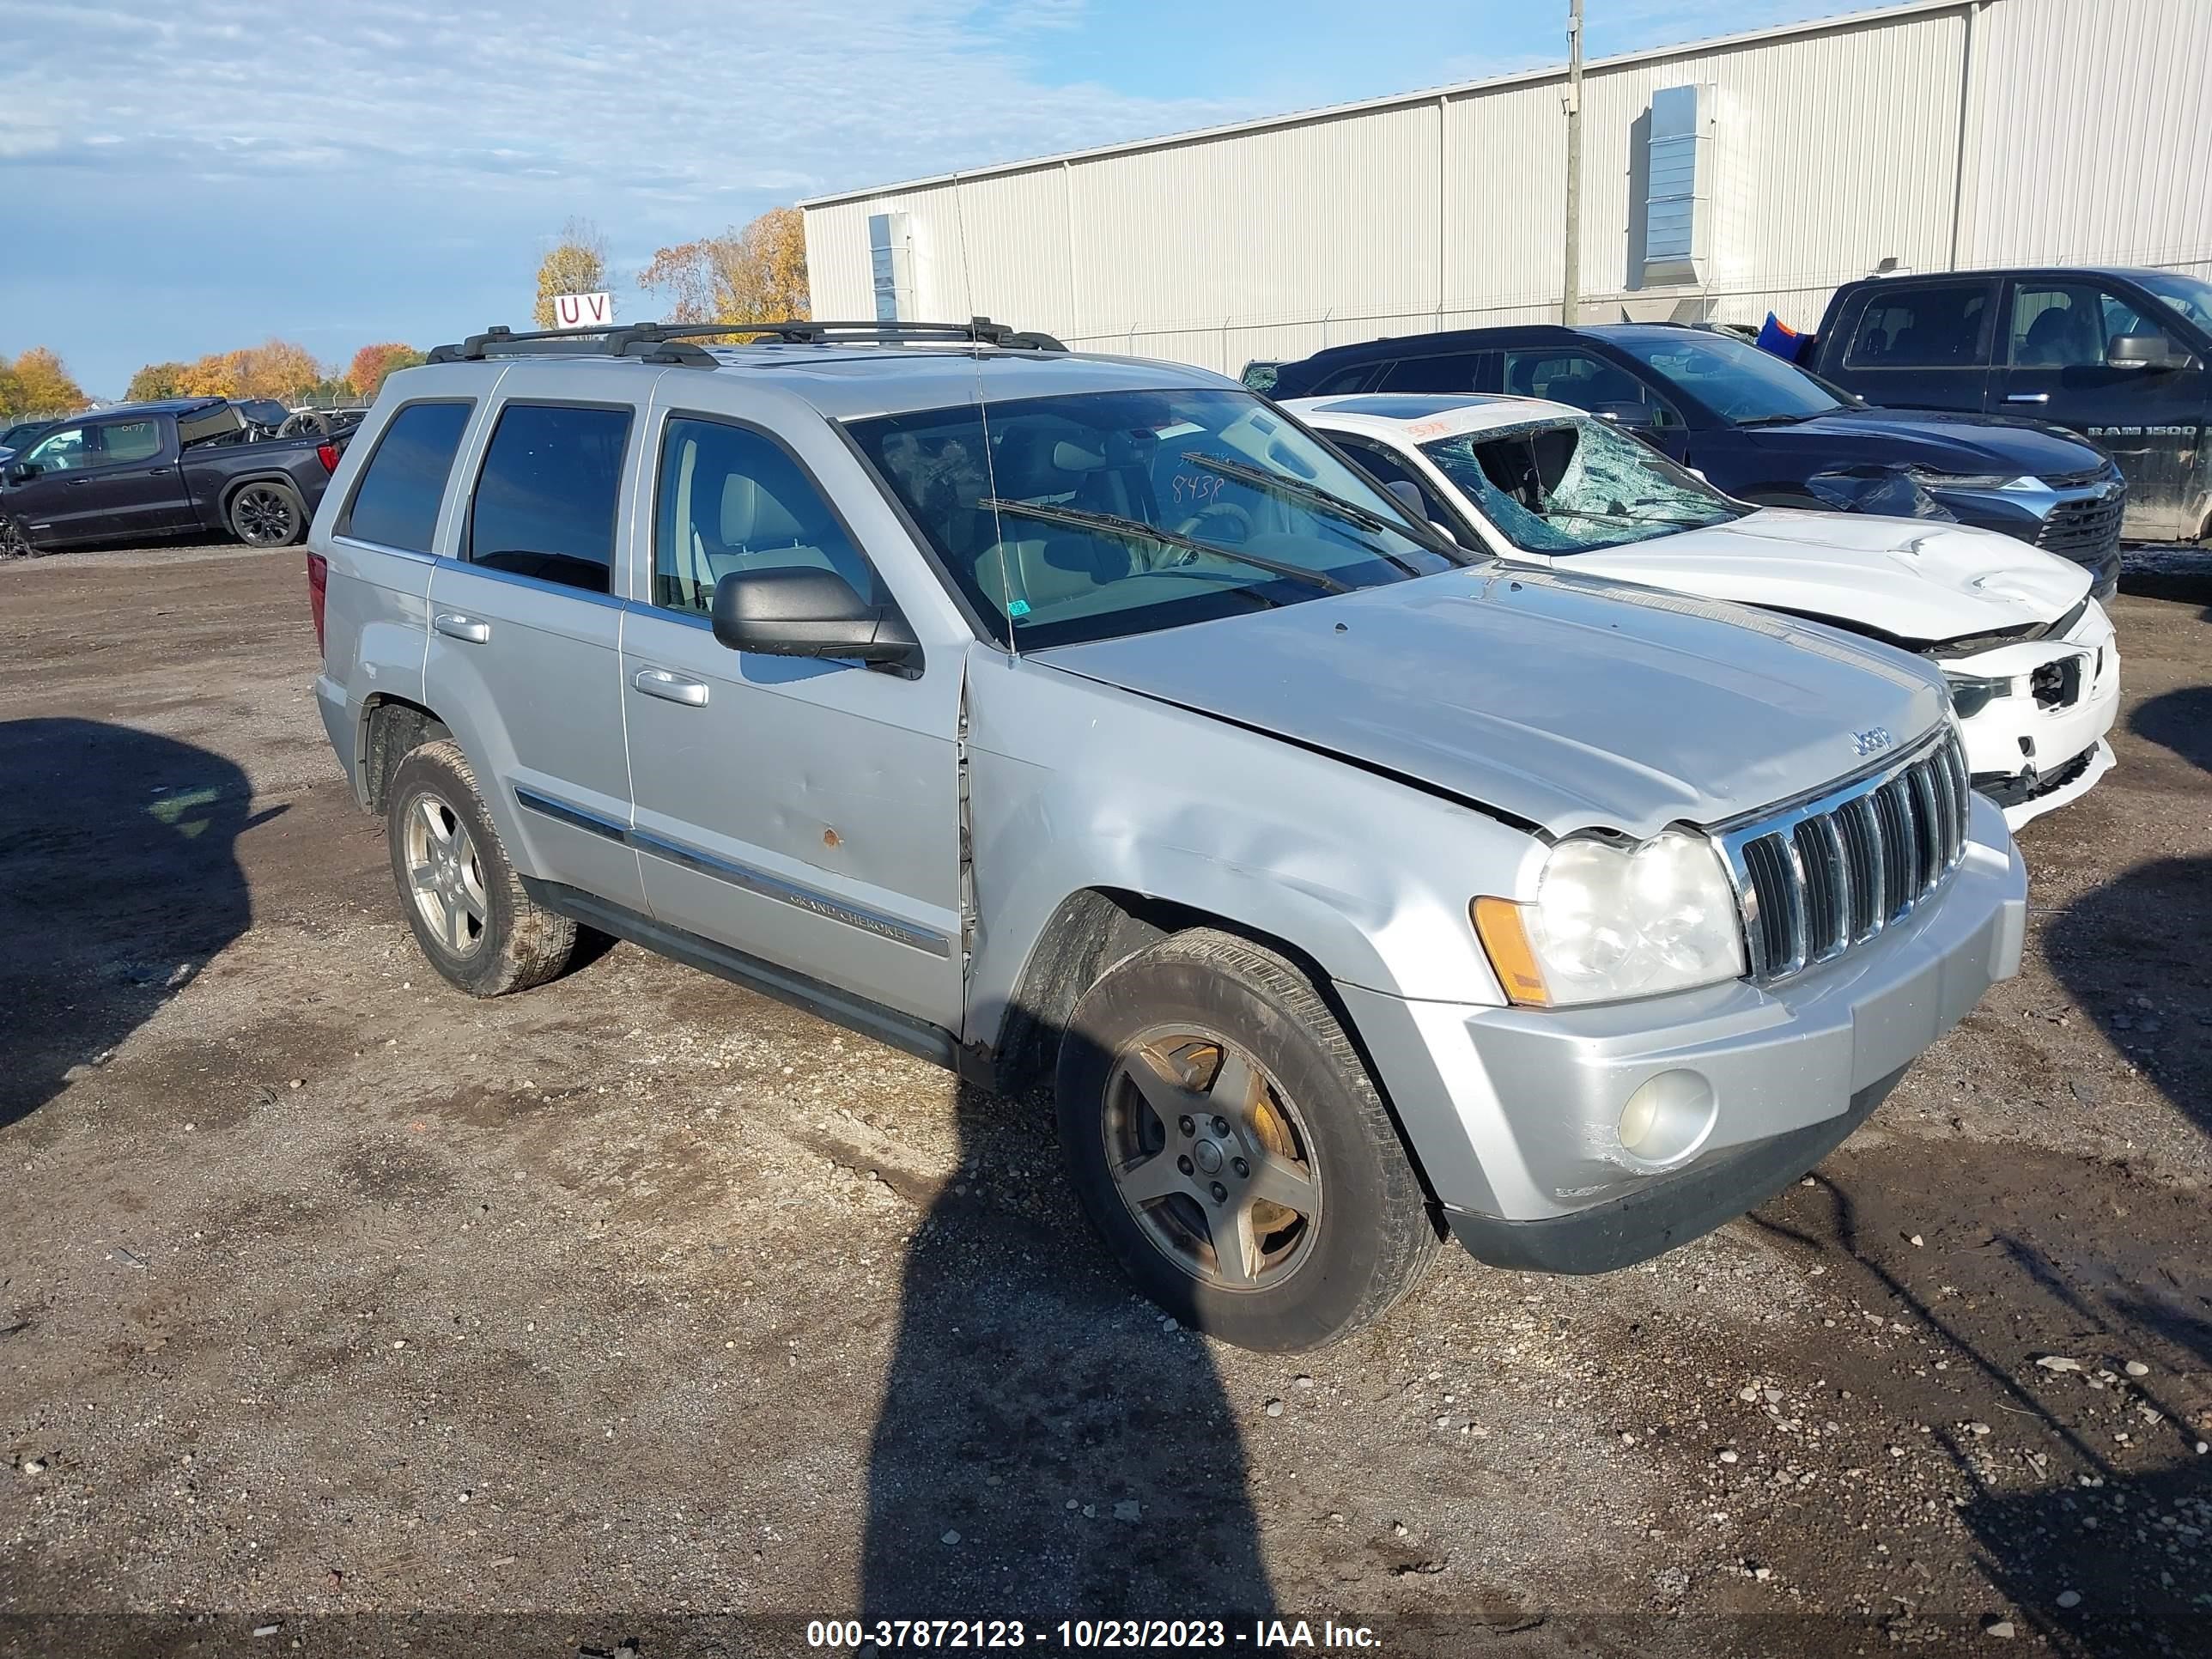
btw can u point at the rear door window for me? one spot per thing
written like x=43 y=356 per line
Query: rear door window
x=396 y=502
x=1942 y=325
x=546 y=499
x=123 y=441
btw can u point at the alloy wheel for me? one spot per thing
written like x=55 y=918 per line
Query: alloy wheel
x=1212 y=1159
x=264 y=516
x=445 y=877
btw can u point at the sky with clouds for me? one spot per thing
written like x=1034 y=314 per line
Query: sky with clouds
x=199 y=174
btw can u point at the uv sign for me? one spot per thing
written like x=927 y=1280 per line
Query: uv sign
x=583 y=310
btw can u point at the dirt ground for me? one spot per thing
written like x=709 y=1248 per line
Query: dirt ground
x=341 y=1314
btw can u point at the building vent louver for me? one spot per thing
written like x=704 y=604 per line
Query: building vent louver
x=1678 y=202
x=891 y=260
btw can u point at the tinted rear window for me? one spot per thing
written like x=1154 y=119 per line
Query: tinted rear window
x=396 y=502
x=545 y=500
x=1939 y=326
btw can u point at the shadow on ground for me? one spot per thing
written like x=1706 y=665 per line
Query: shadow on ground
x=119 y=881
x=1016 y=1474
x=2121 y=1527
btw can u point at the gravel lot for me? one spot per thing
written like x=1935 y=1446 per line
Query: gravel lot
x=340 y=1313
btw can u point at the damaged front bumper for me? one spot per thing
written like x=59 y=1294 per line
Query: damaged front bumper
x=1514 y=1113
x=2034 y=716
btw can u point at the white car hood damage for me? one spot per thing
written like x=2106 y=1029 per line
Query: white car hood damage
x=1563 y=703
x=1910 y=579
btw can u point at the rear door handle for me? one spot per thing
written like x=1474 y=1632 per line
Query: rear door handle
x=659 y=683
x=2027 y=397
x=454 y=626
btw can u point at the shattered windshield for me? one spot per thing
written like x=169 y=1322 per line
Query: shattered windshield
x=1564 y=486
x=1108 y=513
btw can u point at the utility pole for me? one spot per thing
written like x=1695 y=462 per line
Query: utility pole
x=1571 y=287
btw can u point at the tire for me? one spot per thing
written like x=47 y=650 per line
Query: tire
x=15 y=540
x=1200 y=1029
x=268 y=513
x=471 y=918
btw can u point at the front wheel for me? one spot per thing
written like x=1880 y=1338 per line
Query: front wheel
x=15 y=540
x=1224 y=1136
x=268 y=515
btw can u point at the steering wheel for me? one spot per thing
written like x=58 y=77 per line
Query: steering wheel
x=1231 y=523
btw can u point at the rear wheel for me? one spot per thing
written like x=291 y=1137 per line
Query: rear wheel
x=268 y=514
x=471 y=917
x=1224 y=1138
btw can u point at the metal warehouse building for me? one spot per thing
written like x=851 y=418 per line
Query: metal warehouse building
x=1721 y=179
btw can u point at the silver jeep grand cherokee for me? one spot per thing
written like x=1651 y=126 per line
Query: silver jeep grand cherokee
x=1050 y=715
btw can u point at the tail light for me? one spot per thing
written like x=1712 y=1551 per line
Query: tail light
x=319 y=582
x=328 y=455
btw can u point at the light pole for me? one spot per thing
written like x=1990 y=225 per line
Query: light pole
x=1570 y=286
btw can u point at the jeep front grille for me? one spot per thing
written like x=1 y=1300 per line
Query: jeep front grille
x=1814 y=879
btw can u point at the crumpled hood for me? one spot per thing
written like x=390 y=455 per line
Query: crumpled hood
x=1565 y=701
x=1912 y=579
x=1944 y=441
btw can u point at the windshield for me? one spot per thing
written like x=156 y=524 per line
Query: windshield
x=1737 y=381
x=1044 y=510
x=1564 y=486
x=2186 y=294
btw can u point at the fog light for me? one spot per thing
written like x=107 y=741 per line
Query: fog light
x=1668 y=1118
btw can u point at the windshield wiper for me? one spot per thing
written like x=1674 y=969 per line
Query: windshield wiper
x=1773 y=420
x=1314 y=495
x=1112 y=525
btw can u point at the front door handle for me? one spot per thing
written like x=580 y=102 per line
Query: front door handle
x=2027 y=397
x=454 y=626
x=659 y=683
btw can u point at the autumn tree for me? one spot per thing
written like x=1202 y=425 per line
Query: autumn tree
x=755 y=275
x=38 y=383
x=277 y=369
x=577 y=263
x=372 y=363
x=156 y=381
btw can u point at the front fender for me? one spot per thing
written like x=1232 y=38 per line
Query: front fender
x=1076 y=785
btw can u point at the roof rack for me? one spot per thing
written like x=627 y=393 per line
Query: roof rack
x=670 y=342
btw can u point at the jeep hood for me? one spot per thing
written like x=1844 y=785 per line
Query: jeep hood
x=1941 y=440
x=1914 y=580
x=1565 y=701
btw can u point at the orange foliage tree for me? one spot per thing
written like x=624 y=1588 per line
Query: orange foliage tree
x=38 y=383
x=366 y=373
x=755 y=275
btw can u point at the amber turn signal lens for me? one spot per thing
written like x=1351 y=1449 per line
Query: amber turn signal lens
x=1504 y=936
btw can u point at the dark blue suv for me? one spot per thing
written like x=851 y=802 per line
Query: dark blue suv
x=1764 y=431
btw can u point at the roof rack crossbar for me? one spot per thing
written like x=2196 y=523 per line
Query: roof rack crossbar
x=667 y=341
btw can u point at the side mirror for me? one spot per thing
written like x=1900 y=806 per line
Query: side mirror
x=1636 y=416
x=22 y=472
x=2145 y=351
x=798 y=613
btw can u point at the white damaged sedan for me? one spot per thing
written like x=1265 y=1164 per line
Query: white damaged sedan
x=2033 y=668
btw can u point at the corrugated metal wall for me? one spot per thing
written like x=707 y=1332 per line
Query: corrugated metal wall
x=1977 y=131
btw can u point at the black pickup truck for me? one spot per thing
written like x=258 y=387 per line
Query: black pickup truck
x=205 y=464
x=2123 y=357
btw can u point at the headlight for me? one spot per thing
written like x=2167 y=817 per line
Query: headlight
x=1970 y=696
x=1611 y=921
x=1976 y=480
